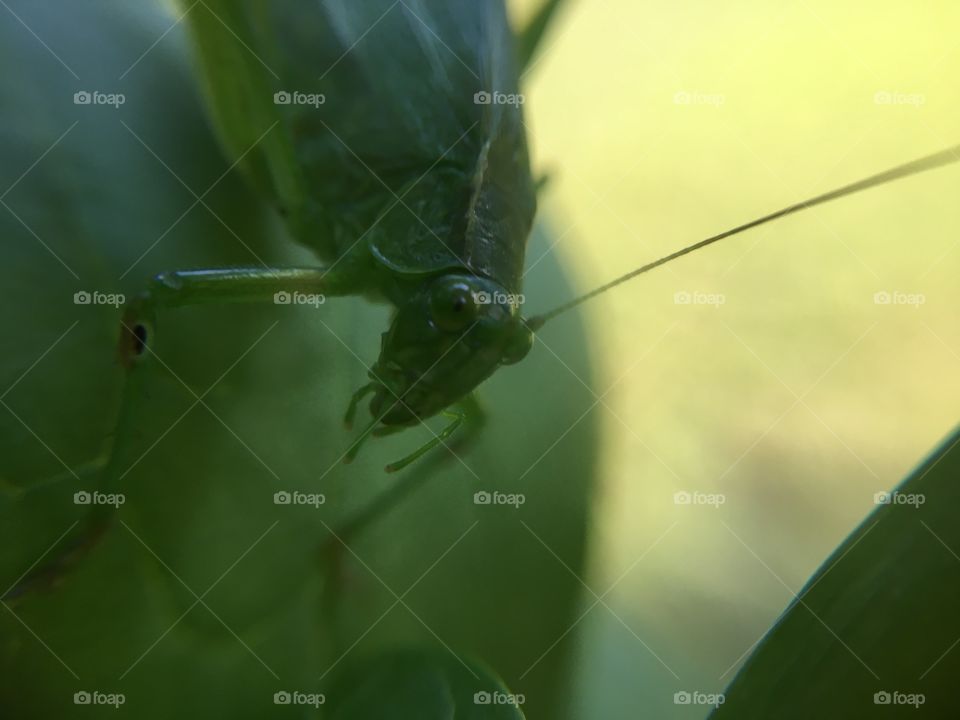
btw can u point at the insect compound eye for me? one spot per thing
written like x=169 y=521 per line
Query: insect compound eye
x=453 y=306
x=518 y=345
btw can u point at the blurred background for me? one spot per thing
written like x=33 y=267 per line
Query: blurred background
x=764 y=369
x=697 y=442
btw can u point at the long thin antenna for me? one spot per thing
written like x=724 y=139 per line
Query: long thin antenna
x=929 y=162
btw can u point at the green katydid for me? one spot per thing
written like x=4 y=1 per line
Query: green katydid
x=391 y=137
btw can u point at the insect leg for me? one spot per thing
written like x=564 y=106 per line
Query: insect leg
x=458 y=416
x=182 y=288
x=361 y=439
x=474 y=418
x=355 y=400
x=73 y=547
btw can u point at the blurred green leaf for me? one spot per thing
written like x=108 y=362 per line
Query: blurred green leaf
x=422 y=686
x=204 y=598
x=856 y=643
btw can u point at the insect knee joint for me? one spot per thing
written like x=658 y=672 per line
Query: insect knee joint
x=135 y=333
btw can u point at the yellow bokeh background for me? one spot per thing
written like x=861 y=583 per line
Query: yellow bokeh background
x=786 y=385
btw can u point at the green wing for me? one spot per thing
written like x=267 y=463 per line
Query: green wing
x=386 y=98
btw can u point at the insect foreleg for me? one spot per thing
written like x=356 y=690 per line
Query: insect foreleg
x=182 y=288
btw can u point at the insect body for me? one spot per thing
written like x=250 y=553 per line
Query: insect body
x=391 y=137
x=392 y=141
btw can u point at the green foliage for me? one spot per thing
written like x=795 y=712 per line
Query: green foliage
x=396 y=685
x=204 y=598
x=873 y=633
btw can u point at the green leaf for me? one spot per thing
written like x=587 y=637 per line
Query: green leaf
x=875 y=631
x=422 y=686
x=282 y=599
x=239 y=91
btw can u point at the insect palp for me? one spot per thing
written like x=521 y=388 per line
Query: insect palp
x=457 y=417
x=361 y=439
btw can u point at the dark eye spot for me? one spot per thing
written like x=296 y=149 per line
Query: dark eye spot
x=459 y=304
x=139 y=339
x=133 y=343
